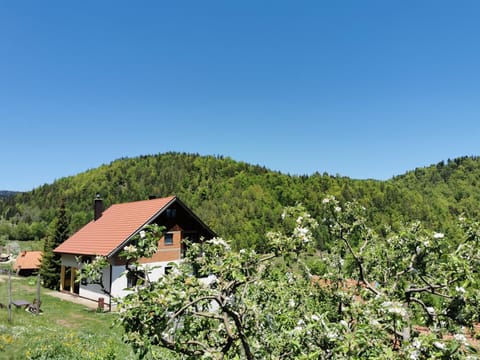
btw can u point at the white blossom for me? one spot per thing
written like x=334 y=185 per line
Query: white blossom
x=338 y=208
x=291 y=303
x=438 y=236
x=315 y=317
x=219 y=241
x=395 y=308
x=130 y=249
x=460 y=338
x=143 y=234
x=439 y=345
x=326 y=200
x=302 y=231
x=211 y=279
x=297 y=329
x=415 y=355
x=332 y=335
x=460 y=289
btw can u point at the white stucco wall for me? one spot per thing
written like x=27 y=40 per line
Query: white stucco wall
x=119 y=281
x=118 y=278
x=69 y=260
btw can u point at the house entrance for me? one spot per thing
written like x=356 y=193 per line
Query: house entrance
x=67 y=280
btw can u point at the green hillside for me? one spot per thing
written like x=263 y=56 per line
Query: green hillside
x=242 y=201
x=443 y=192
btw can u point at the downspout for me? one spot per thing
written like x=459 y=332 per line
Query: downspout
x=110 y=296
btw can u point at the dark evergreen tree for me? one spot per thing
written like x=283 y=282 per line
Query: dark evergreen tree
x=51 y=262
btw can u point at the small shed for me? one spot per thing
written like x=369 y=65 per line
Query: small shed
x=28 y=262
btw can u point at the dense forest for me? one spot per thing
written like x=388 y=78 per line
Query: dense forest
x=240 y=201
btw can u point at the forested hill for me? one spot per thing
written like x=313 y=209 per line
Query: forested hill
x=242 y=201
x=447 y=189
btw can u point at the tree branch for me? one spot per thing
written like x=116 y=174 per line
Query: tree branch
x=424 y=306
x=193 y=302
x=241 y=335
x=207 y=315
x=361 y=270
x=409 y=268
x=430 y=288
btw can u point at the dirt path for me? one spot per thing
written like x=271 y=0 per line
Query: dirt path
x=75 y=299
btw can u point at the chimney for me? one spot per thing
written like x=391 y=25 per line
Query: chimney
x=97 y=207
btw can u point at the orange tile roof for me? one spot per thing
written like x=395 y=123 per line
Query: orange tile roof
x=118 y=223
x=28 y=260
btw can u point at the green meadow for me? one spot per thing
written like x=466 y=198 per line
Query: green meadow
x=63 y=330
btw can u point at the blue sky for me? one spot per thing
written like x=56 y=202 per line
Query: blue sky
x=365 y=89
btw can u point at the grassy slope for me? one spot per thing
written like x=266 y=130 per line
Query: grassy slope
x=64 y=330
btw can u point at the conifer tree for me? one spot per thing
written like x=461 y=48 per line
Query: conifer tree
x=51 y=262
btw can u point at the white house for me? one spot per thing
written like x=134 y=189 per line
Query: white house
x=112 y=230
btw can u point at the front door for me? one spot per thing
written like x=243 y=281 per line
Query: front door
x=68 y=280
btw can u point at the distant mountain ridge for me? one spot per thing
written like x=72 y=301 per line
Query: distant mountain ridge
x=241 y=202
x=7 y=193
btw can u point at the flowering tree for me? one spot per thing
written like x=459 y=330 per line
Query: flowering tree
x=397 y=296
x=218 y=303
x=417 y=286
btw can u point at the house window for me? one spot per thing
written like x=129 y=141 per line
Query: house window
x=168 y=239
x=135 y=277
x=171 y=213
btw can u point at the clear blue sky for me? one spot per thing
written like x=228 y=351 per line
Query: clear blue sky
x=365 y=89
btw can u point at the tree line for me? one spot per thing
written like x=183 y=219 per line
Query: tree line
x=242 y=201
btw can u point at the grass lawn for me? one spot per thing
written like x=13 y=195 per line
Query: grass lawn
x=63 y=330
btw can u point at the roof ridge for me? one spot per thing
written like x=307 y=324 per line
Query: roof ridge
x=145 y=200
